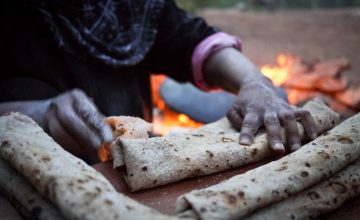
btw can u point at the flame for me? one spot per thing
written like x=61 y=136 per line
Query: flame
x=286 y=66
x=166 y=119
x=293 y=96
x=279 y=72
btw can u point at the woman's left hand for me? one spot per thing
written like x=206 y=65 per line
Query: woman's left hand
x=258 y=105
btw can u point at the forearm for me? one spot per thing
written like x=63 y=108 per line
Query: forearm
x=34 y=109
x=230 y=70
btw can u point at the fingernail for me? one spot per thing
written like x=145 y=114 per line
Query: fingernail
x=245 y=141
x=278 y=146
x=296 y=147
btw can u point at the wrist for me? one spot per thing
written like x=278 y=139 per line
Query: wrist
x=230 y=69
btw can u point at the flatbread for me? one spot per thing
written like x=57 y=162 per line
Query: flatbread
x=127 y=127
x=273 y=182
x=76 y=189
x=24 y=197
x=319 y=199
x=158 y=161
x=221 y=126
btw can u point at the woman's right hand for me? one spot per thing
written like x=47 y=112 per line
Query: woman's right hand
x=74 y=122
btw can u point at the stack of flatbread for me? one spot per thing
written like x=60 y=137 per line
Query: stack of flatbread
x=151 y=162
x=50 y=183
x=314 y=180
x=46 y=182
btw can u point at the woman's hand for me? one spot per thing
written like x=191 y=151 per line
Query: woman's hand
x=74 y=122
x=258 y=104
x=71 y=119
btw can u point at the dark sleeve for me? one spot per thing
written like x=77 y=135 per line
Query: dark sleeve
x=23 y=63
x=179 y=34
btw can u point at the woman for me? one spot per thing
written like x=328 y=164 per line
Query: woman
x=66 y=64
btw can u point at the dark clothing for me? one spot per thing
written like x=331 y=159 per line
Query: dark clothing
x=116 y=32
x=33 y=67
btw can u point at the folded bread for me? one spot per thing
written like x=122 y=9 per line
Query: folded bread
x=127 y=127
x=320 y=199
x=213 y=148
x=76 y=189
x=276 y=181
x=29 y=203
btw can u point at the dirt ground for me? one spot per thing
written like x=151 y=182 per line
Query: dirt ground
x=313 y=35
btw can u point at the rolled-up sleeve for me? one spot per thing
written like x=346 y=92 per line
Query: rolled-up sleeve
x=206 y=48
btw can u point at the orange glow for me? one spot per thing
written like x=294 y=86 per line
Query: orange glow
x=183 y=118
x=278 y=75
x=296 y=96
x=166 y=119
x=282 y=60
x=293 y=96
x=280 y=72
x=104 y=152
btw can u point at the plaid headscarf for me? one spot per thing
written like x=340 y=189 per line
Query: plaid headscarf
x=118 y=33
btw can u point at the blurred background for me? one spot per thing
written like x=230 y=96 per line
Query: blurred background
x=312 y=29
x=310 y=48
x=266 y=4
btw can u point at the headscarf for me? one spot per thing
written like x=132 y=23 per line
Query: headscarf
x=118 y=33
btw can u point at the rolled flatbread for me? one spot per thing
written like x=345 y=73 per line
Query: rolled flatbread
x=319 y=199
x=24 y=197
x=127 y=127
x=221 y=126
x=273 y=182
x=158 y=161
x=76 y=189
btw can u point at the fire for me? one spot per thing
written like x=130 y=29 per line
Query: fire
x=296 y=96
x=184 y=119
x=165 y=118
x=293 y=96
x=279 y=72
x=286 y=66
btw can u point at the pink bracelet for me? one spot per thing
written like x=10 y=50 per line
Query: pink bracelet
x=206 y=48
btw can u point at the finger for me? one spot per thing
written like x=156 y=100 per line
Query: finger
x=308 y=123
x=74 y=125
x=273 y=130
x=91 y=116
x=288 y=120
x=61 y=136
x=235 y=118
x=250 y=125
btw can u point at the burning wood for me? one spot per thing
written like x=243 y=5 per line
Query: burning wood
x=332 y=68
x=323 y=79
x=314 y=81
x=350 y=97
